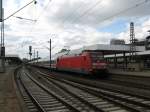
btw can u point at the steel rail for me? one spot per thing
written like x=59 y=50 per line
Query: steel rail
x=104 y=97
x=108 y=96
x=89 y=89
x=21 y=86
x=36 y=102
x=53 y=94
x=91 y=85
x=40 y=108
x=77 y=97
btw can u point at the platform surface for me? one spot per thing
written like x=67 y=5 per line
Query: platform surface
x=8 y=98
x=144 y=73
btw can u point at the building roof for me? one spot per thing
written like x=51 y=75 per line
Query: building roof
x=127 y=54
x=12 y=55
x=106 y=48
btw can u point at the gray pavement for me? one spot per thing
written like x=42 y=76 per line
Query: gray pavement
x=8 y=98
x=144 y=73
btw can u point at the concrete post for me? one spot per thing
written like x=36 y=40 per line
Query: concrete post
x=50 y=53
x=115 y=61
x=125 y=60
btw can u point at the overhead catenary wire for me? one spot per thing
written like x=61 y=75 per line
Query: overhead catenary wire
x=25 y=18
x=38 y=17
x=106 y=18
x=72 y=14
x=40 y=14
x=44 y=9
x=118 y=13
x=125 y=10
x=89 y=9
x=75 y=10
x=20 y=9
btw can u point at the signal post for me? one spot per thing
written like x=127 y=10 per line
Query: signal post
x=2 y=46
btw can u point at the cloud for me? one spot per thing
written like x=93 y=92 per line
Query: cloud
x=74 y=23
x=140 y=31
x=92 y=13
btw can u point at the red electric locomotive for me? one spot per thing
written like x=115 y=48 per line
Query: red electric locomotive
x=88 y=62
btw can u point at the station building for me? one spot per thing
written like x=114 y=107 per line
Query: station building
x=118 y=54
x=141 y=57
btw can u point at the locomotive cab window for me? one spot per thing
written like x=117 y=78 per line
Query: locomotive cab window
x=96 y=56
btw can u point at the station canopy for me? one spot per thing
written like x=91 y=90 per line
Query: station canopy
x=142 y=53
x=12 y=57
x=105 y=48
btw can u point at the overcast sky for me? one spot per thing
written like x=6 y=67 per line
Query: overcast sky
x=72 y=23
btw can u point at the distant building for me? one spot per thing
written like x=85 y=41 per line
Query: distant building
x=147 y=43
x=144 y=42
x=117 y=42
x=140 y=43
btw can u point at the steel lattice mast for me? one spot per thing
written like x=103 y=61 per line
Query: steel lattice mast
x=132 y=43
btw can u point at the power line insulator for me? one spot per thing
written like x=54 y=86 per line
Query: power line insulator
x=35 y=2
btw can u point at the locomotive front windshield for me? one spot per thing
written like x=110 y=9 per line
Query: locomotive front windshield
x=96 y=56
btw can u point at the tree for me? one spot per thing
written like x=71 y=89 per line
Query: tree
x=63 y=50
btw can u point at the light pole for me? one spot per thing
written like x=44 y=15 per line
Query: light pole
x=148 y=32
x=34 y=54
x=2 y=49
x=30 y=51
x=50 y=53
x=37 y=54
x=33 y=1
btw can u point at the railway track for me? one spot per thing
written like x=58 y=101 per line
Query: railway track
x=134 y=84
x=134 y=81
x=110 y=99
x=135 y=87
x=59 y=99
x=40 y=99
x=124 y=80
x=83 y=103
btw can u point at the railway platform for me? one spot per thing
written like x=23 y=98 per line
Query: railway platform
x=8 y=97
x=144 y=73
